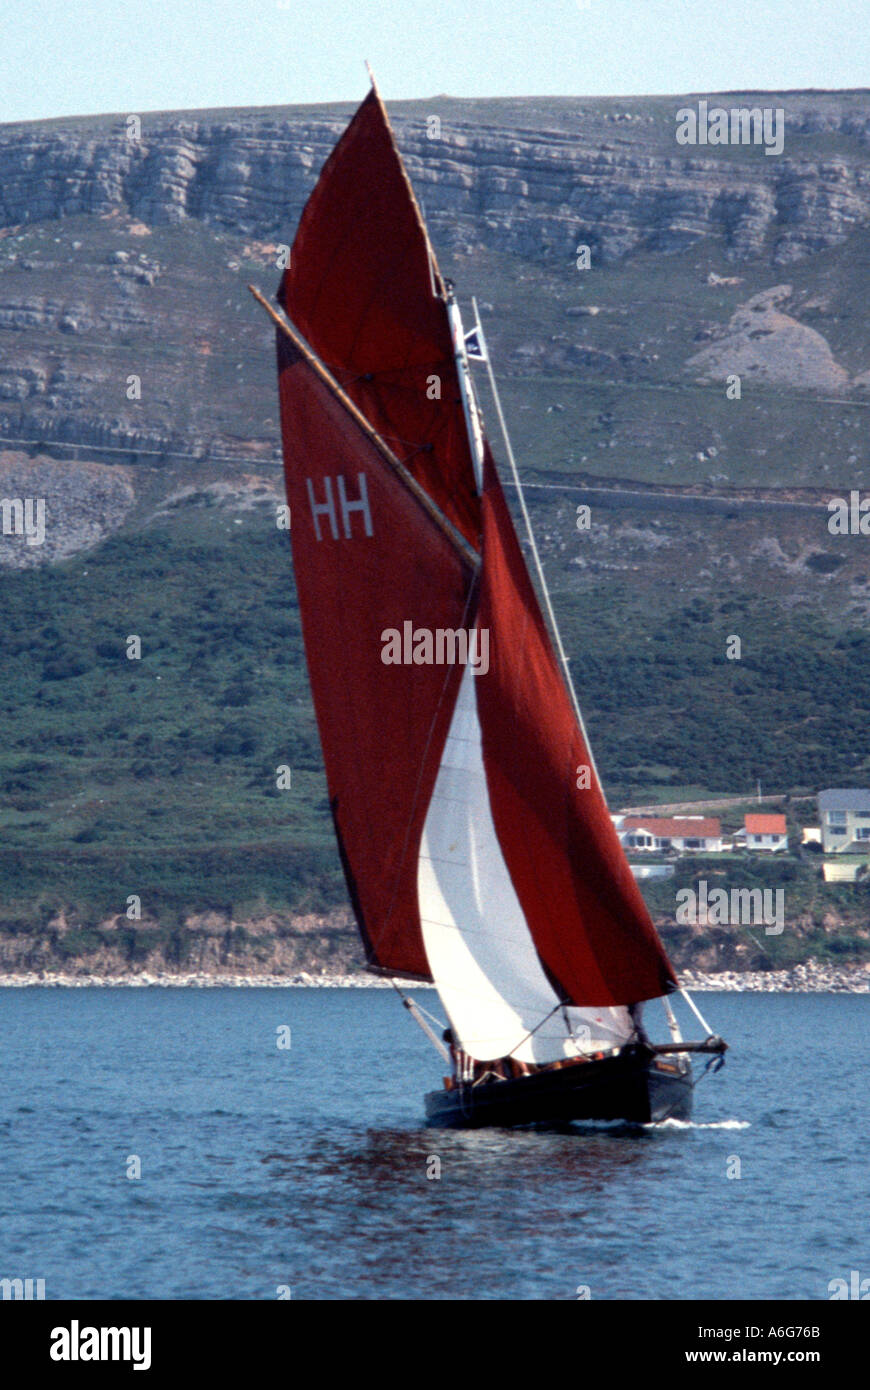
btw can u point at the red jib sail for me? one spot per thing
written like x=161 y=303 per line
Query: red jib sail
x=586 y=915
x=368 y=559
x=364 y=290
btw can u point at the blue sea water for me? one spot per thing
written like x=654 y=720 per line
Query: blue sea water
x=307 y=1167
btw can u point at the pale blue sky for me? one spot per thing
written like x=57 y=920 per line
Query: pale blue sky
x=71 y=57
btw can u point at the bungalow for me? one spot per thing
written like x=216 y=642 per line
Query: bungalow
x=763 y=833
x=845 y=820
x=695 y=834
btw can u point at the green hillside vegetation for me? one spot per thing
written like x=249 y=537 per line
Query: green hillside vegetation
x=157 y=776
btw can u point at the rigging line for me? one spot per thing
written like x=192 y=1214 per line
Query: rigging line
x=539 y=567
x=396 y=441
x=673 y=1025
x=697 y=1012
x=533 y=1031
x=439 y=1022
x=415 y=1012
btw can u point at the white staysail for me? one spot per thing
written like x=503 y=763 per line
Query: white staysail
x=479 y=948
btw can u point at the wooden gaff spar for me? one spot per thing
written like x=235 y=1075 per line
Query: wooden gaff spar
x=475 y=838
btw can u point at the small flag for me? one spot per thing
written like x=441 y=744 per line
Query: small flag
x=475 y=345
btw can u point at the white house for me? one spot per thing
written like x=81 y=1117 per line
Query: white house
x=845 y=820
x=692 y=834
x=767 y=833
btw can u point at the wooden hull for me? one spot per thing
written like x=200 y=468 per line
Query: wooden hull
x=634 y=1085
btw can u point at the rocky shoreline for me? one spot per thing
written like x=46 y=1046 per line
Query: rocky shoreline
x=810 y=978
x=196 y=979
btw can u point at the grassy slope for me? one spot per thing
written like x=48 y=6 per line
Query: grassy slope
x=157 y=776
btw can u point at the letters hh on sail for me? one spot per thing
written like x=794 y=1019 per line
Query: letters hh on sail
x=327 y=508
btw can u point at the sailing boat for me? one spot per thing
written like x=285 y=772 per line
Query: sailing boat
x=475 y=838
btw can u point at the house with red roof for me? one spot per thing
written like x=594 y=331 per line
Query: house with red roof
x=658 y=834
x=763 y=832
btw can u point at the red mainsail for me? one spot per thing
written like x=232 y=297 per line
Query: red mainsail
x=364 y=289
x=368 y=557
x=586 y=915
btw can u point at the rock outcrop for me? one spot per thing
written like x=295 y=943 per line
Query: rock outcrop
x=522 y=177
x=75 y=504
x=765 y=344
x=125 y=246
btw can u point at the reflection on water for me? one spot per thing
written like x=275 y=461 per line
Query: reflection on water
x=585 y=1153
x=502 y=1204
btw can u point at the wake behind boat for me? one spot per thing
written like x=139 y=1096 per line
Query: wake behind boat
x=474 y=834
